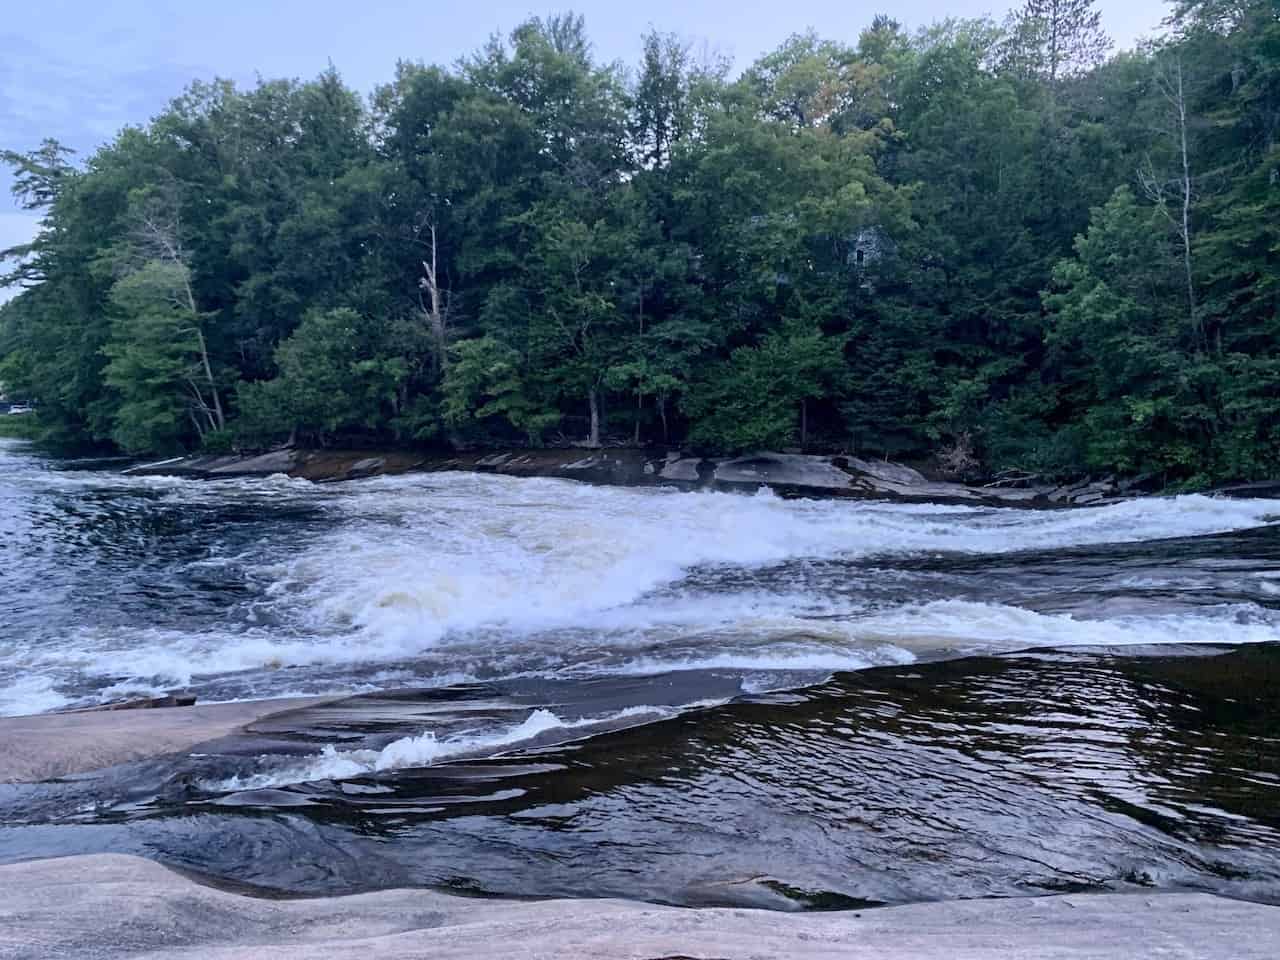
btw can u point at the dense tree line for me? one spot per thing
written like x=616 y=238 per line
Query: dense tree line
x=986 y=243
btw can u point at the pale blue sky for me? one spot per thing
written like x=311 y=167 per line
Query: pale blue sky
x=78 y=70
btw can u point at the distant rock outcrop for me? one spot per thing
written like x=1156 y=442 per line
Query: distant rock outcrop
x=789 y=474
x=317 y=465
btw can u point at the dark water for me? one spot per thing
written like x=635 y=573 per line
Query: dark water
x=687 y=698
x=1019 y=775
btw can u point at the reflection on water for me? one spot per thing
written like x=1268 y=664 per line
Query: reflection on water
x=1018 y=775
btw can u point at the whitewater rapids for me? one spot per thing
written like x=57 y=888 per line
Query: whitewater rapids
x=247 y=588
x=693 y=698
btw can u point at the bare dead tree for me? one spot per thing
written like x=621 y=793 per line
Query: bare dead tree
x=640 y=332
x=1171 y=84
x=433 y=289
x=433 y=304
x=157 y=238
x=1177 y=97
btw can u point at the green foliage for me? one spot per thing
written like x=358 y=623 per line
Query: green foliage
x=1117 y=304
x=153 y=361
x=485 y=380
x=755 y=400
x=147 y=358
x=218 y=441
x=336 y=374
x=25 y=427
x=976 y=237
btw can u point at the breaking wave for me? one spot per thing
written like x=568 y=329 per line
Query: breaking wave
x=426 y=749
x=315 y=588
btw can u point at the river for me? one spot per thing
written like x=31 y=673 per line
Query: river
x=695 y=698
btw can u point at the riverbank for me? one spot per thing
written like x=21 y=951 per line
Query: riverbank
x=788 y=474
x=18 y=427
x=112 y=906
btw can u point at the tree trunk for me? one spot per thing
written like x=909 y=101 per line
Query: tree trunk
x=1180 y=104
x=662 y=415
x=804 y=424
x=202 y=406
x=161 y=237
x=439 y=359
x=639 y=393
x=437 y=313
x=219 y=419
x=1170 y=82
x=593 y=397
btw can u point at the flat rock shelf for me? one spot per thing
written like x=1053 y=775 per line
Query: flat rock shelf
x=104 y=907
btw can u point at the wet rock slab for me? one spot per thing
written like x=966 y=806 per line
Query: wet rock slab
x=109 y=906
x=790 y=474
x=316 y=465
x=47 y=746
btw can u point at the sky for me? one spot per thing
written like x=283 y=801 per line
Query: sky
x=79 y=70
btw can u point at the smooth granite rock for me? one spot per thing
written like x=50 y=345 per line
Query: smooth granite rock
x=104 y=907
x=51 y=745
x=782 y=469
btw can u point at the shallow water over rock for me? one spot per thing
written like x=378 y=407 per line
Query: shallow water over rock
x=1017 y=775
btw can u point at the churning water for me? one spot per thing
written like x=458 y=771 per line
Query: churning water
x=648 y=692
x=248 y=588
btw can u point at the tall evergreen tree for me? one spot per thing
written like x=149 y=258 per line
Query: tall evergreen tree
x=1052 y=40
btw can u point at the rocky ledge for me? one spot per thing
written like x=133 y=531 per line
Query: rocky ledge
x=317 y=465
x=110 y=906
x=789 y=474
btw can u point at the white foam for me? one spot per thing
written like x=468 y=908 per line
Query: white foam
x=985 y=627
x=493 y=576
x=466 y=552
x=30 y=694
x=783 y=659
x=426 y=749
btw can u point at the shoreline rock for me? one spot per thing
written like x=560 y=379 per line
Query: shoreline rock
x=788 y=474
x=316 y=465
x=46 y=746
x=114 y=906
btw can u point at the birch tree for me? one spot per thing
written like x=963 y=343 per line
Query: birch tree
x=158 y=264
x=1173 y=191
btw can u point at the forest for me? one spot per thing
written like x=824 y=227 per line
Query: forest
x=1000 y=246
